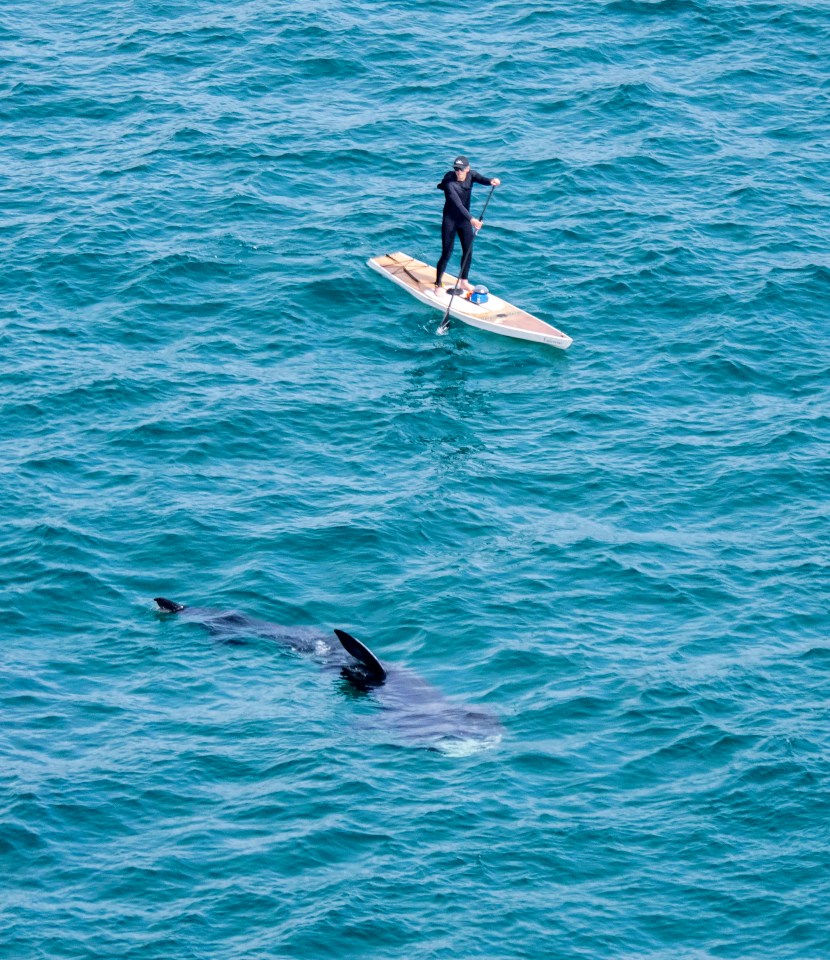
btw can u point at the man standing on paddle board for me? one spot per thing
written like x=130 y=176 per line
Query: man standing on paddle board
x=457 y=185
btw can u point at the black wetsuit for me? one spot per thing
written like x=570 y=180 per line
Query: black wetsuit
x=456 y=220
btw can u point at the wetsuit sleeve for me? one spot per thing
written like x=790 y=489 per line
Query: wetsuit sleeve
x=478 y=178
x=455 y=200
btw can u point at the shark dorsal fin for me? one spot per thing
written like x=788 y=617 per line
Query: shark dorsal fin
x=362 y=653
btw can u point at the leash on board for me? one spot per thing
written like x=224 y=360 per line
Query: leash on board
x=464 y=261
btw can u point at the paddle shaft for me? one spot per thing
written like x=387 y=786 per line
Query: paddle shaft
x=464 y=261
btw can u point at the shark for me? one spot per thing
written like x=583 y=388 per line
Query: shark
x=420 y=713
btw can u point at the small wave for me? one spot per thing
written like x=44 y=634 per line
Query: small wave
x=654 y=7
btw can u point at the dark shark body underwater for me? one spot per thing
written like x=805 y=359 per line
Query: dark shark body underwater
x=419 y=713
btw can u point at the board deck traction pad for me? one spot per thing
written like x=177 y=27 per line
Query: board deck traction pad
x=497 y=315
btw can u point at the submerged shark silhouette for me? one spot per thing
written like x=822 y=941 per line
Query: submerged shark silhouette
x=419 y=711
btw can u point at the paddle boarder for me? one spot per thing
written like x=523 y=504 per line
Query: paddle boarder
x=457 y=185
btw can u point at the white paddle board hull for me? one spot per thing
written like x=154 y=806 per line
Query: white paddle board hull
x=497 y=315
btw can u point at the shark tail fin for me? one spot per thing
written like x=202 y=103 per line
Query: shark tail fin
x=168 y=606
x=362 y=653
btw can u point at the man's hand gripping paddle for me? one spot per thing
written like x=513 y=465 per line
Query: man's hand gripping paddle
x=465 y=260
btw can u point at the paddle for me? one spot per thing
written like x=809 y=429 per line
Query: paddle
x=464 y=261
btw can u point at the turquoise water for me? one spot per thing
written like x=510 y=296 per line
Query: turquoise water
x=618 y=553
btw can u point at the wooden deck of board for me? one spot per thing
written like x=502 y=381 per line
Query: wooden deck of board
x=421 y=277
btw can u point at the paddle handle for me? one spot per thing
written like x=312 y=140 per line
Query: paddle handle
x=484 y=208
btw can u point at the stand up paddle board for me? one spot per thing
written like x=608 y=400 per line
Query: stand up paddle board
x=496 y=315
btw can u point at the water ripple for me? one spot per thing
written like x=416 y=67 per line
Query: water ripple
x=619 y=551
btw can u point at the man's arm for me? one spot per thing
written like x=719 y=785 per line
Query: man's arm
x=492 y=182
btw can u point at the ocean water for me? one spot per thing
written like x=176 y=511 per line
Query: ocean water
x=617 y=555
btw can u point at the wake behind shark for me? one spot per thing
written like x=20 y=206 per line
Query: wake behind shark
x=419 y=711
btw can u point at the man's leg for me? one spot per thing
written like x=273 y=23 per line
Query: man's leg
x=466 y=234
x=447 y=243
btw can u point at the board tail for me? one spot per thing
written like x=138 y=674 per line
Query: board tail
x=168 y=606
x=362 y=653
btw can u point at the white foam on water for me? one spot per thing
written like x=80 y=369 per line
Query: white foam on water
x=468 y=746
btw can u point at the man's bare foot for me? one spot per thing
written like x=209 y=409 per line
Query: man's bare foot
x=466 y=285
x=437 y=290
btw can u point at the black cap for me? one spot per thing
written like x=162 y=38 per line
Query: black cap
x=460 y=163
